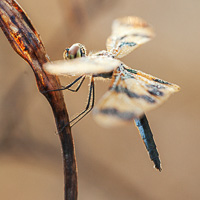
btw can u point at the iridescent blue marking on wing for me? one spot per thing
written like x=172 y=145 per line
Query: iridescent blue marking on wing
x=147 y=136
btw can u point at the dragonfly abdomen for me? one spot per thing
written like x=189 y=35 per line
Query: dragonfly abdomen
x=147 y=136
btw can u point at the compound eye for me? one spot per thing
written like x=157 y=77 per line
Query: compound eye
x=75 y=51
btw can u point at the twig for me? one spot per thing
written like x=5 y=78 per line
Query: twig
x=27 y=43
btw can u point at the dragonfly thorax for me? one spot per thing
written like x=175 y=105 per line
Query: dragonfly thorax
x=75 y=51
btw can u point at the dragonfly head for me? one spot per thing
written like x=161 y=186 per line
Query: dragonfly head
x=75 y=51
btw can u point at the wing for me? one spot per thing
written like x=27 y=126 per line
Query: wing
x=83 y=65
x=128 y=33
x=131 y=94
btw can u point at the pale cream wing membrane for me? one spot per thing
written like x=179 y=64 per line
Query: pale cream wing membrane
x=115 y=109
x=153 y=93
x=84 y=65
x=131 y=97
x=128 y=33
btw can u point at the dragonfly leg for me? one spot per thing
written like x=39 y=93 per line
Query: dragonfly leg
x=67 y=87
x=90 y=104
x=78 y=87
x=147 y=136
x=88 y=107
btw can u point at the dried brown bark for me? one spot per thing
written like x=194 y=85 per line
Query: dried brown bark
x=26 y=41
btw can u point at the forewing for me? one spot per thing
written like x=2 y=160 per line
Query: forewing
x=131 y=96
x=128 y=33
x=83 y=65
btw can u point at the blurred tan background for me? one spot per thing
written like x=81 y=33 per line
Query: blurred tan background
x=112 y=163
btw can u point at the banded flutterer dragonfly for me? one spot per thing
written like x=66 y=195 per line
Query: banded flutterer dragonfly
x=131 y=93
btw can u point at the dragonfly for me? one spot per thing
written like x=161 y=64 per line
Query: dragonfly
x=131 y=93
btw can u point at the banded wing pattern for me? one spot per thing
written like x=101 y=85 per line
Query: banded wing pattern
x=128 y=33
x=131 y=94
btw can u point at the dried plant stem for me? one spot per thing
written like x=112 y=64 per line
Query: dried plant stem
x=27 y=43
